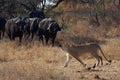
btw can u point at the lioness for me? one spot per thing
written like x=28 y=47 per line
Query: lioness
x=76 y=51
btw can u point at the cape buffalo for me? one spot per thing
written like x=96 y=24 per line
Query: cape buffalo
x=15 y=28
x=48 y=28
x=2 y=26
x=31 y=27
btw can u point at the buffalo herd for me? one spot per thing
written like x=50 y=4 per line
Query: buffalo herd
x=27 y=27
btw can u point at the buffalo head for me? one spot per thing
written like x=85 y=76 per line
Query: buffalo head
x=54 y=27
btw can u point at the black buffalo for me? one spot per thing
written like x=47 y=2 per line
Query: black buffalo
x=2 y=27
x=48 y=28
x=38 y=14
x=31 y=27
x=15 y=28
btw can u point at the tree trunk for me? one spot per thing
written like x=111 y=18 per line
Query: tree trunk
x=97 y=20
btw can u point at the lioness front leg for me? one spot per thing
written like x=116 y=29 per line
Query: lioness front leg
x=67 y=60
x=84 y=65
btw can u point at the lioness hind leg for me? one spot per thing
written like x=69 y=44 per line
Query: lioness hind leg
x=98 y=62
x=97 y=57
x=101 y=60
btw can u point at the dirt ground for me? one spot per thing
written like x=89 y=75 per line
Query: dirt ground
x=46 y=63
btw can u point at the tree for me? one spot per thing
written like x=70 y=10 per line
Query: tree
x=8 y=6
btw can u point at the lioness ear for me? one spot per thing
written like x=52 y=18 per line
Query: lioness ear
x=60 y=45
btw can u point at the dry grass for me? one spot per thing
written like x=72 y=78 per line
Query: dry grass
x=27 y=62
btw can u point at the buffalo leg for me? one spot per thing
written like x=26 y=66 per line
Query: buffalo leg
x=47 y=39
x=20 y=39
x=27 y=36
x=41 y=38
x=9 y=35
x=3 y=32
x=32 y=36
x=0 y=34
x=12 y=36
x=53 y=40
